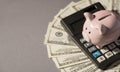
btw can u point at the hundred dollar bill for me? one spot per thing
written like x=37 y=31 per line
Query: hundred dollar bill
x=56 y=36
x=56 y=24
x=84 y=67
x=91 y=68
x=106 y=3
x=77 y=67
x=59 y=50
x=81 y=4
x=68 y=10
x=69 y=60
x=88 y=67
x=116 y=5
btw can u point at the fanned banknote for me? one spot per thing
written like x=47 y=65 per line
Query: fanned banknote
x=59 y=50
x=69 y=60
x=68 y=10
x=81 y=4
x=56 y=36
x=63 y=51
x=77 y=67
x=56 y=24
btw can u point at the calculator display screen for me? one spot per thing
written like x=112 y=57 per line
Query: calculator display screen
x=77 y=26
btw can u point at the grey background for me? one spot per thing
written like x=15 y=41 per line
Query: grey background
x=23 y=24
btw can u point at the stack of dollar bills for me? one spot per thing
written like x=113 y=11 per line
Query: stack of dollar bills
x=62 y=50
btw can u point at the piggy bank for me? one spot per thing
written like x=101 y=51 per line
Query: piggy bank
x=101 y=27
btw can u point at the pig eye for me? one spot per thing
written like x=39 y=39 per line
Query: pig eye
x=86 y=28
x=93 y=16
x=89 y=32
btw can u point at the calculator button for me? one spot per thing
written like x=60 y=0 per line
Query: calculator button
x=87 y=44
x=109 y=54
x=104 y=50
x=100 y=59
x=96 y=54
x=82 y=40
x=116 y=51
x=112 y=46
x=117 y=42
x=92 y=49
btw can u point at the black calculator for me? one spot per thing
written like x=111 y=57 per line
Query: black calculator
x=103 y=58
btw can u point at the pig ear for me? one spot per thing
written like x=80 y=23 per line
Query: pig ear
x=102 y=29
x=88 y=16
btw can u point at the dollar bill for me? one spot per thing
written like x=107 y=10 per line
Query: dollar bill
x=77 y=67
x=83 y=67
x=56 y=24
x=90 y=68
x=69 y=60
x=59 y=50
x=106 y=3
x=56 y=36
x=68 y=10
x=81 y=4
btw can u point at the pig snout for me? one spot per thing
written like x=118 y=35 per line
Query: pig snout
x=85 y=36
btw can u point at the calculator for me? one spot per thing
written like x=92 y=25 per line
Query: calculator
x=102 y=58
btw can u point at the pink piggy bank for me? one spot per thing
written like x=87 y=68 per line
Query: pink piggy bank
x=101 y=28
